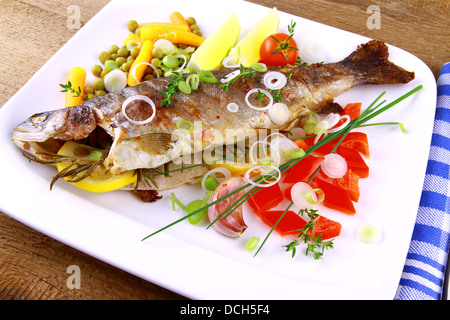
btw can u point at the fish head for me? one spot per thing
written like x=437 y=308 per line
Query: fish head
x=51 y=127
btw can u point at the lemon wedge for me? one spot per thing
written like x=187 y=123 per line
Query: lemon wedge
x=215 y=48
x=250 y=44
x=100 y=180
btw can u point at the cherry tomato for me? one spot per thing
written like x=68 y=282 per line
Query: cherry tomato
x=279 y=49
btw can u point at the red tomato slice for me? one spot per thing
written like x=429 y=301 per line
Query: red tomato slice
x=336 y=197
x=349 y=182
x=289 y=224
x=354 y=161
x=303 y=170
x=326 y=228
x=266 y=198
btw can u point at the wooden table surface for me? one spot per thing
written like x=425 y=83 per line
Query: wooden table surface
x=34 y=266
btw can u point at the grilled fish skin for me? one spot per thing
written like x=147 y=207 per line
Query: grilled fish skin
x=309 y=89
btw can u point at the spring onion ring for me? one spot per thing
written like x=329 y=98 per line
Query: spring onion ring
x=279 y=113
x=181 y=56
x=257 y=91
x=262 y=185
x=274 y=80
x=224 y=171
x=230 y=76
x=304 y=196
x=252 y=159
x=138 y=97
x=115 y=80
x=234 y=60
x=347 y=120
x=133 y=71
x=258 y=66
x=183 y=130
x=334 y=165
x=233 y=107
x=368 y=234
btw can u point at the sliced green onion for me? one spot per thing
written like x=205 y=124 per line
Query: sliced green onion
x=402 y=127
x=211 y=183
x=368 y=234
x=193 y=80
x=95 y=155
x=175 y=201
x=294 y=153
x=321 y=126
x=170 y=61
x=258 y=66
x=184 y=87
x=111 y=65
x=195 y=206
x=315 y=193
x=251 y=243
x=190 y=126
x=207 y=76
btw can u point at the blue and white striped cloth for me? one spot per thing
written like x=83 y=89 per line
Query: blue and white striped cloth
x=425 y=266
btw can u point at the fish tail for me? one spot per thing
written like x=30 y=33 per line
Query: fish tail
x=369 y=62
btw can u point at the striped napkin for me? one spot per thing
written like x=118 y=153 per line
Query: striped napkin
x=425 y=266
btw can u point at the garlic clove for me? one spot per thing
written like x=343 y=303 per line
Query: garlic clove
x=230 y=224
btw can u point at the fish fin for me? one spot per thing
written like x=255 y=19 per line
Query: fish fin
x=329 y=106
x=371 y=65
x=158 y=141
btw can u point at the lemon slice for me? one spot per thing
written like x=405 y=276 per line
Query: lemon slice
x=215 y=48
x=100 y=180
x=236 y=169
x=250 y=44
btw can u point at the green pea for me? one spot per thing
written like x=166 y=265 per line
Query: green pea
x=113 y=49
x=123 y=52
x=194 y=27
x=99 y=93
x=90 y=96
x=134 y=52
x=157 y=53
x=104 y=73
x=98 y=84
x=120 y=61
x=103 y=56
x=126 y=66
x=155 y=62
x=137 y=31
x=96 y=70
x=132 y=25
x=89 y=89
x=191 y=20
x=197 y=32
x=113 y=56
x=148 y=77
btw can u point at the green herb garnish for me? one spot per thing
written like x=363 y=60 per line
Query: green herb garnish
x=77 y=93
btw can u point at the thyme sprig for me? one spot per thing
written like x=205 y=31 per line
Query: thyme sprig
x=315 y=245
x=371 y=111
x=77 y=93
x=172 y=89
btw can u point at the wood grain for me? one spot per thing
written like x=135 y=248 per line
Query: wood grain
x=34 y=266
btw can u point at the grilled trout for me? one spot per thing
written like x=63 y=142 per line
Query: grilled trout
x=153 y=144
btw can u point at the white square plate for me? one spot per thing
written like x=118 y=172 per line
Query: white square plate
x=199 y=263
